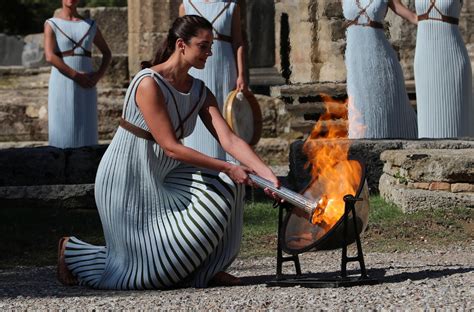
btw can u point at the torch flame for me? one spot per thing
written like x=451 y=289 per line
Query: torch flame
x=327 y=150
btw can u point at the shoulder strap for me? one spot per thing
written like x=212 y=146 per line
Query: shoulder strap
x=133 y=91
x=226 y=6
x=76 y=44
x=201 y=90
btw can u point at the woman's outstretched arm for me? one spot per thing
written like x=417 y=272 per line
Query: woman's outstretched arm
x=400 y=9
x=150 y=100
x=231 y=143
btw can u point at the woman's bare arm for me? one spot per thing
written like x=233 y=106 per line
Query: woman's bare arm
x=232 y=144
x=239 y=49
x=400 y=9
x=181 y=10
x=100 y=42
x=150 y=100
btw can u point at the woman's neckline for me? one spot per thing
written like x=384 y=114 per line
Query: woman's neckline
x=65 y=20
x=209 y=1
x=173 y=87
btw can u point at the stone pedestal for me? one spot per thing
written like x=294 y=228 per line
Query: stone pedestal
x=149 y=21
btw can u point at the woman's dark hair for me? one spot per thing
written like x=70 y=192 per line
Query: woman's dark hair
x=184 y=27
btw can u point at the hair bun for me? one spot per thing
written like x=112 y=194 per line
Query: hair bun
x=146 y=64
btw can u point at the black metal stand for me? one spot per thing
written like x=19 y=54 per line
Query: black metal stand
x=280 y=257
x=311 y=282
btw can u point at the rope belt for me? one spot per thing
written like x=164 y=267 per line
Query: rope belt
x=372 y=24
x=222 y=37
x=444 y=18
x=363 y=12
x=72 y=53
x=137 y=131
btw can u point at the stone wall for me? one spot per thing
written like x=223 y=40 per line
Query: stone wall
x=428 y=178
x=11 y=48
x=315 y=38
x=149 y=21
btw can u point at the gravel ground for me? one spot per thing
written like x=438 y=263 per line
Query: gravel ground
x=417 y=280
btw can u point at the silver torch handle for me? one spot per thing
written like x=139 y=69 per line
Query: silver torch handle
x=288 y=195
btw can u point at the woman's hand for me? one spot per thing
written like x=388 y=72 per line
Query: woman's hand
x=83 y=80
x=94 y=77
x=241 y=84
x=270 y=176
x=239 y=174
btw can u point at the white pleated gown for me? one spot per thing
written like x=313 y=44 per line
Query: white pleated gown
x=72 y=109
x=379 y=107
x=219 y=74
x=165 y=223
x=443 y=75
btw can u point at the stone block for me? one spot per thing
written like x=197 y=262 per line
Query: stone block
x=274 y=115
x=411 y=200
x=273 y=150
x=11 y=48
x=421 y=185
x=462 y=188
x=117 y=75
x=33 y=51
x=82 y=163
x=440 y=186
x=32 y=166
x=48 y=196
x=428 y=165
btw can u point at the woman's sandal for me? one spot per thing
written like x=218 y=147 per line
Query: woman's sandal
x=225 y=279
x=65 y=276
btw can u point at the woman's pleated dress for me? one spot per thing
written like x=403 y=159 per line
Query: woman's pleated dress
x=165 y=223
x=443 y=73
x=72 y=109
x=220 y=72
x=378 y=102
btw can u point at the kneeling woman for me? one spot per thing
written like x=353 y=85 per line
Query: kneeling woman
x=171 y=215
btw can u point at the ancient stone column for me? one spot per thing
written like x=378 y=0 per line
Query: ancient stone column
x=148 y=24
x=309 y=40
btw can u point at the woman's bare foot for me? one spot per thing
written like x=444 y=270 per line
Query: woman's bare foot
x=225 y=279
x=64 y=275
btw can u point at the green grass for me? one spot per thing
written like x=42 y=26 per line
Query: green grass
x=29 y=236
x=392 y=230
x=260 y=227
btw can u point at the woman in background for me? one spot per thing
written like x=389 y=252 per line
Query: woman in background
x=443 y=73
x=378 y=102
x=225 y=70
x=72 y=96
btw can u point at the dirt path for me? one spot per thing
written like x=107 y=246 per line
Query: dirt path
x=415 y=280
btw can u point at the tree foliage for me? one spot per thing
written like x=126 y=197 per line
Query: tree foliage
x=21 y=17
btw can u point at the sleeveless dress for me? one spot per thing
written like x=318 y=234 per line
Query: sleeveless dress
x=220 y=72
x=165 y=223
x=378 y=102
x=443 y=73
x=72 y=109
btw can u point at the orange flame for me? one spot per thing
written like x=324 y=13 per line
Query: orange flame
x=327 y=152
